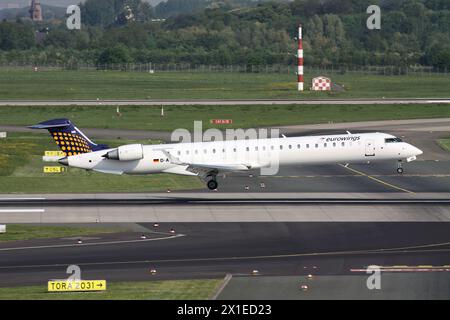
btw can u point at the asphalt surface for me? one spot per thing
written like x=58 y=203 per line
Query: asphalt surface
x=418 y=177
x=211 y=250
x=216 y=102
x=428 y=285
x=319 y=193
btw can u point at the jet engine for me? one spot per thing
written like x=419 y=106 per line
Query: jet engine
x=128 y=152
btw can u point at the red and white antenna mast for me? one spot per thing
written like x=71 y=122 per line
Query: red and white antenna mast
x=300 y=60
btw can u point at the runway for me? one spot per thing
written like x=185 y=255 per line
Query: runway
x=251 y=207
x=211 y=250
x=222 y=102
x=318 y=193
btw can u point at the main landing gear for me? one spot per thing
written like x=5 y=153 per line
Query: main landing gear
x=212 y=183
x=399 y=167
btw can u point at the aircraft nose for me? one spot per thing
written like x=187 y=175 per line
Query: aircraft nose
x=417 y=151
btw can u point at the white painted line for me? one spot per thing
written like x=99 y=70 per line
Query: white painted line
x=438 y=101
x=16 y=199
x=93 y=243
x=22 y=210
x=225 y=282
x=234 y=258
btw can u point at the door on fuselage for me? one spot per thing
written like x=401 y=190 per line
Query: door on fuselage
x=370 y=148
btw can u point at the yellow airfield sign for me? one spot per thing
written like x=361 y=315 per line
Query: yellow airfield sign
x=54 y=154
x=76 y=286
x=54 y=169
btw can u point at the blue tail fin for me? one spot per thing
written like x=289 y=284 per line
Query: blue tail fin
x=68 y=137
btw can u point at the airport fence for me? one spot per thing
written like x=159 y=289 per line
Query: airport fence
x=195 y=68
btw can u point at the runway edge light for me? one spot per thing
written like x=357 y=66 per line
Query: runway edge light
x=76 y=286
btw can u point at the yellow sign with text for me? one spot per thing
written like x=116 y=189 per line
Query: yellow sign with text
x=76 y=285
x=54 y=169
x=54 y=154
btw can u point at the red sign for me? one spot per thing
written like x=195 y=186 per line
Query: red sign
x=221 y=121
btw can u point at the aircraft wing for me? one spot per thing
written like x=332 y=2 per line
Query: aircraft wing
x=205 y=169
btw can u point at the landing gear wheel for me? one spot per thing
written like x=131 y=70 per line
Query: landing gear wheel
x=212 y=185
x=399 y=167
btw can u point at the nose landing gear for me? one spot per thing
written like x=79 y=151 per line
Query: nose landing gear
x=399 y=167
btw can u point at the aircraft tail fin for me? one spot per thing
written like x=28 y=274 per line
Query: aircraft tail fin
x=68 y=137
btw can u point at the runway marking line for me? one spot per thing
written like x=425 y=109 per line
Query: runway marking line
x=409 y=249
x=15 y=199
x=225 y=282
x=376 y=180
x=405 y=268
x=346 y=176
x=92 y=243
x=22 y=210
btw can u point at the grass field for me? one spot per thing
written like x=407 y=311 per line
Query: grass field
x=21 y=171
x=445 y=143
x=16 y=232
x=20 y=84
x=149 y=290
x=149 y=118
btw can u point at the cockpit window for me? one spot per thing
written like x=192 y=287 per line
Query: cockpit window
x=392 y=140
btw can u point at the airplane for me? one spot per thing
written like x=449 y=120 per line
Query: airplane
x=208 y=159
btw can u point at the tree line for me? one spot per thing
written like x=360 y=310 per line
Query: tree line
x=413 y=32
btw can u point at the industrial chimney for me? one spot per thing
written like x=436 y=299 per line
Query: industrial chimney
x=36 y=10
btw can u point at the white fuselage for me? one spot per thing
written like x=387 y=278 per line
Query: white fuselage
x=257 y=153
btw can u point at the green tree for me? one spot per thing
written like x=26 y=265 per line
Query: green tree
x=114 y=55
x=16 y=36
